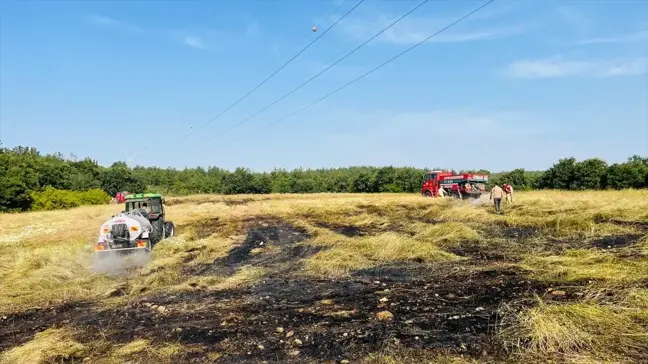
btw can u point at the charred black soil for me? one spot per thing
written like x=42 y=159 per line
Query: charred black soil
x=346 y=230
x=642 y=225
x=306 y=320
x=451 y=307
x=352 y=231
x=269 y=243
x=617 y=241
x=484 y=252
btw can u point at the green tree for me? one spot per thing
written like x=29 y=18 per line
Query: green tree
x=14 y=195
x=120 y=178
x=589 y=174
x=242 y=181
x=560 y=175
x=517 y=178
x=363 y=182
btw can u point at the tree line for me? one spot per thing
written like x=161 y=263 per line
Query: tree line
x=30 y=180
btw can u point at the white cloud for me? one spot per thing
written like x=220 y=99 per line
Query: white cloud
x=192 y=37
x=639 y=36
x=412 y=30
x=410 y=124
x=556 y=67
x=411 y=36
x=111 y=23
x=194 y=42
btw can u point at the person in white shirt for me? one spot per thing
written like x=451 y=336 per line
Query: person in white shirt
x=441 y=192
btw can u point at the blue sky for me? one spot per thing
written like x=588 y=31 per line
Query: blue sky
x=518 y=84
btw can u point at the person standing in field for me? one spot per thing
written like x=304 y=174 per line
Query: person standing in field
x=496 y=195
x=508 y=189
x=441 y=192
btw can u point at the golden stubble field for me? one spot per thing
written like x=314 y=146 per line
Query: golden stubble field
x=559 y=277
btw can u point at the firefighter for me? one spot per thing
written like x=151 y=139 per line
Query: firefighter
x=441 y=192
x=508 y=189
x=496 y=195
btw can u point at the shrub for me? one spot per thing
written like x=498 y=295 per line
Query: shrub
x=53 y=199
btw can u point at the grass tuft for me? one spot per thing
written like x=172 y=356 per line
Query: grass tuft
x=51 y=345
x=581 y=264
x=578 y=331
x=348 y=254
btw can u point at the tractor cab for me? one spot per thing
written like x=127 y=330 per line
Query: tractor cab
x=151 y=205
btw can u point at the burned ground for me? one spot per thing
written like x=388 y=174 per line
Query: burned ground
x=455 y=306
x=270 y=243
x=617 y=241
x=351 y=231
x=346 y=230
x=424 y=307
x=332 y=319
x=205 y=228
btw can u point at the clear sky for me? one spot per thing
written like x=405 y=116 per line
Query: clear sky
x=518 y=84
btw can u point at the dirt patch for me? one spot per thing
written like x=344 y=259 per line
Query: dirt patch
x=208 y=227
x=244 y=201
x=477 y=251
x=617 y=241
x=337 y=320
x=426 y=220
x=519 y=232
x=320 y=319
x=643 y=225
x=346 y=230
x=401 y=272
x=268 y=243
x=352 y=231
x=411 y=211
x=372 y=209
x=17 y=329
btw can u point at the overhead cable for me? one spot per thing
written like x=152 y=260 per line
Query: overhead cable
x=320 y=73
x=375 y=68
x=275 y=72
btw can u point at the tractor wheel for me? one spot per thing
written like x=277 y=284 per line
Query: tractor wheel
x=428 y=193
x=169 y=229
x=158 y=231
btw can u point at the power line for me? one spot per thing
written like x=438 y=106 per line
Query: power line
x=375 y=68
x=320 y=73
x=301 y=37
x=279 y=69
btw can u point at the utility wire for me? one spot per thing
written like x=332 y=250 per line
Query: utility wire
x=330 y=16
x=374 y=69
x=279 y=69
x=320 y=73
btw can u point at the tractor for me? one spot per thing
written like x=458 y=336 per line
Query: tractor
x=139 y=227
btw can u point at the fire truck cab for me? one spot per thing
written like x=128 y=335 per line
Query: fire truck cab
x=466 y=185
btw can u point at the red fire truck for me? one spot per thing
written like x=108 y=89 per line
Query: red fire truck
x=465 y=185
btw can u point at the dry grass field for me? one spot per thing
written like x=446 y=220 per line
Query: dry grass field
x=559 y=277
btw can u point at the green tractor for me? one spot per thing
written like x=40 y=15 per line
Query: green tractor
x=151 y=205
x=138 y=228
